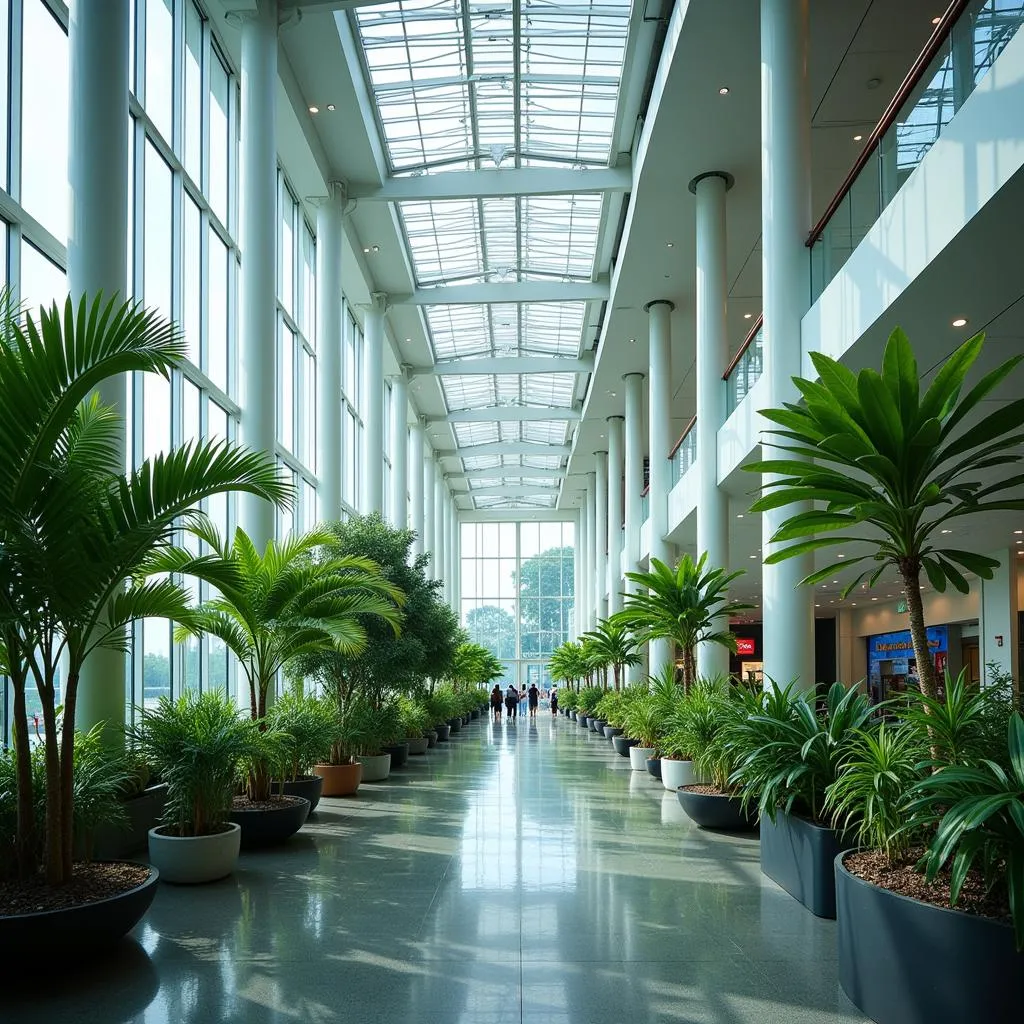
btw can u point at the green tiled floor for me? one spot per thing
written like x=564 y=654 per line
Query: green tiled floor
x=519 y=873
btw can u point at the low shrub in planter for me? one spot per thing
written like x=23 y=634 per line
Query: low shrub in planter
x=588 y=699
x=312 y=728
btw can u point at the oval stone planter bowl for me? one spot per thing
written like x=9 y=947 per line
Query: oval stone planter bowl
x=622 y=744
x=717 y=812
x=309 y=787
x=269 y=826
x=677 y=773
x=376 y=767
x=417 y=745
x=192 y=860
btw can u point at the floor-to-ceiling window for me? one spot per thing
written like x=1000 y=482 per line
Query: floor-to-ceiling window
x=518 y=591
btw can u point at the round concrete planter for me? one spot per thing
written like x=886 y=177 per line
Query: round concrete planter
x=376 y=767
x=597 y=725
x=399 y=754
x=191 y=860
x=418 y=745
x=623 y=744
x=906 y=962
x=91 y=927
x=270 y=826
x=717 y=812
x=677 y=773
x=583 y=721
x=309 y=787
x=638 y=757
x=572 y=715
x=455 y=724
x=443 y=732
x=431 y=735
x=340 y=779
x=654 y=767
x=611 y=731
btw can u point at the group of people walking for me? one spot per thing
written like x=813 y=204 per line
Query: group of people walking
x=512 y=697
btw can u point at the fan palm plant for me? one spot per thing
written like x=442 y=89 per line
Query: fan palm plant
x=567 y=663
x=684 y=605
x=612 y=646
x=895 y=467
x=278 y=606
x=74 y=528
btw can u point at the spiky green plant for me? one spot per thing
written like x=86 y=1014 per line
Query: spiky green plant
x=610 y=645
x=313 y=727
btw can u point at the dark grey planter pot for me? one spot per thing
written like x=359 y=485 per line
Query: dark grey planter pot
x=597 y=725
x=474 y=714
x=800 y=856
x=144 y=812
x=906 y=962
x=583 y=721
x=271 y=827
x=572 y=715
x=622 y=744
x=455 y=725
x=309 y=787
x=90 y=928
x=431 y=735
x=719 y=813
x=654 y=767
x=443 y=732
x=611 y=731
x=399 y=754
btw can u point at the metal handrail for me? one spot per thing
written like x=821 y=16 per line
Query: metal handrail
x=747 y=341
x=924 y=59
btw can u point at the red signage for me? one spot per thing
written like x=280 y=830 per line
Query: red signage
x=745 y=646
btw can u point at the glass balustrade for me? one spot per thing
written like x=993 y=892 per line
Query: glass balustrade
x=745 y=373
x=685 y=454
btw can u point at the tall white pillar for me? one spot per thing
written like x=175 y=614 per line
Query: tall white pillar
x=373 y=405
x=712 y=297
x=97 y=247
x=257 y=333
x=787 y=609
x=634 y=484
x=439 y=545
x=583 y=555
x=577 y=576
x=998 y=620
x=615 y=581
x=427 y=470
x=329 y=219
x=601 y=535
x=446 y=533
x=591 y=553
x=659 y=388
x=454 y=560
x=415 y=474
x=400 y=449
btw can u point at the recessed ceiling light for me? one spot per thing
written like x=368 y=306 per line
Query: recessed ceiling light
x=366 y=248
x=747 y=316
x=945 y=531
x=330 y=106
x=854 y=603
x=960 y=322
x=724 y=91
x=874 y=599
x=1018 y=531
x=840 y=556
x=669 y=245
x=753 y=556
x=739 y=515
x=314 y=110
x=857 y=138
x=935 y=21
x=375 y=248
x=632 y=341
x=835 y=581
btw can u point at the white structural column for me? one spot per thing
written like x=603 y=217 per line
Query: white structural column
x=97 y=245
x=415 y=473
x=999 y=608
x=634 y=484
x=446 y=534
x=439 y=489
x=712 y=296
x=591 y=553
x=788 y=609
x=257 y=333
x=427 y=471
x=329 y=218
x=583 y=556
x=373 y=405
x=601 y=535
x=453 y=553
x=659 y=388
x=400 y=449
x=614 y=574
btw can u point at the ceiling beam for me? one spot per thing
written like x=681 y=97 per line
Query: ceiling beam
x=498 y=183
x=509 y=471
x=507 y=414
x=512 y=292
x=312 y=5
x=506 y=364
x=509 y=491
x=506 y=448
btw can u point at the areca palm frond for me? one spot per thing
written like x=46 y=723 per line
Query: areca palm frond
x=568 y=663
x=683 y=605
x=473 y=665
x=611 y=645
x=892 y=467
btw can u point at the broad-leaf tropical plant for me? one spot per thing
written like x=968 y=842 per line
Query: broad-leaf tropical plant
x=890 y=468
x=74 y=528
x=611 y=645
x=686 y=605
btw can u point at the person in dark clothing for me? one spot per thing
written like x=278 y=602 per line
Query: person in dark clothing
x=533 y=698
x=553 y=699
x=511 y=702
x=496 y=703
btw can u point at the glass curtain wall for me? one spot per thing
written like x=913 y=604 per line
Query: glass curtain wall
x=518 y=592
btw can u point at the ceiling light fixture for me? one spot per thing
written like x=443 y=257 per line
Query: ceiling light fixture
x=753 y=556
x=840 y=556
x=724 y=91
x=739 y=515
x=935 y=21
x=314 y=110
x=857 y=138
x=747 y=316
x=670 y=245
x=330 y=106
x=960 y=322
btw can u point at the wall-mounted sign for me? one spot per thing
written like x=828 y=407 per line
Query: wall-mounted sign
x=901 y=606
x=745 y=646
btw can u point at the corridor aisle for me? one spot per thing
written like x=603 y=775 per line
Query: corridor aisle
x=518 y=873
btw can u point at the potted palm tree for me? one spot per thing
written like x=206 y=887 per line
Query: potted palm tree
x=613 y=646
x=74 y=532
x=275 y=607
x=376 y=724
x=676 y=764
x=688 y=605
x=197 y=743
x=415 y=721
x=312 y=727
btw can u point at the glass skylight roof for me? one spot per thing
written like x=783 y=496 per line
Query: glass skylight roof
x=483 y=85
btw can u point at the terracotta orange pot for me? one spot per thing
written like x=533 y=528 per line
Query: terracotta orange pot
x=339 y=779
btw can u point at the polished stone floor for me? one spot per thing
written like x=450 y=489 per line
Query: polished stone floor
x=519 y=873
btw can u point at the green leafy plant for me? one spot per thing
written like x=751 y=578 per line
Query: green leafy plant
x=197 y=743
x=643 y=721
x=568 y=664
x=978 y=813
x=313 y=728
x=788 y=754
x=588 y=699
x=415 y=716
x=610 y=707
x=893 y=468
x=611 y=646
x=686 y=605
x=74 y=530
x=568 y=699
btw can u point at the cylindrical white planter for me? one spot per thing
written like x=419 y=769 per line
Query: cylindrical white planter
x=376 y=767
x=677 y=773
x=189 y=860
x=417 y=744
x=638 y=758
